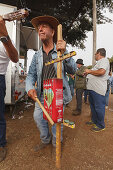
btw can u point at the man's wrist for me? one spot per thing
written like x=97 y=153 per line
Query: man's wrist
x=4 y=39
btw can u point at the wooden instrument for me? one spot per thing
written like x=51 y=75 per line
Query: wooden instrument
x=17 y=15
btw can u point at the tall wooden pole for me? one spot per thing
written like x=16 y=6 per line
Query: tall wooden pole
x=94 y=31
x=58 y=125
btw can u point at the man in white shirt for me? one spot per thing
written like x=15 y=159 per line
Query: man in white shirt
x=7 y=52
x=97 y=86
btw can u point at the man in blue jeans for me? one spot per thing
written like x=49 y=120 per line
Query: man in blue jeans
x=46 y=27
x=7 y=53
x=97 y=86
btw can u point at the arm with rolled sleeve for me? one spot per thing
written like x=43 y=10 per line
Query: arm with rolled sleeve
x=8 y=45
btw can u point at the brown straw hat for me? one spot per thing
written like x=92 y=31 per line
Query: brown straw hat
x=52 y=21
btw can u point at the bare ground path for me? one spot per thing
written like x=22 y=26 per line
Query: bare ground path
x=82 y=149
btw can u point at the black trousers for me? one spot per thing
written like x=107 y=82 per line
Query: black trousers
x=79 y=93
x=2 y=110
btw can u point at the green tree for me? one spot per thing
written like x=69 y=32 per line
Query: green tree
x=74 y=15
x=111 y=59
x=111 y=63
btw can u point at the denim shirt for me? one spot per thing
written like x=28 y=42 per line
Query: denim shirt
x=35 y=73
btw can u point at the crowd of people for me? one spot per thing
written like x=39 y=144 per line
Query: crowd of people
x=92 y=82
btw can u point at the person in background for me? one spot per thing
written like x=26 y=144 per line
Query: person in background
x=97 y=86
x=109 y=81
x=21 y=70
x=7 y=52
x=111 y=84
x=46 y=27
x=71 y=82
x=80 y=85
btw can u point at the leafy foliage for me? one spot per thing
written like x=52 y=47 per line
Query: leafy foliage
x=111 y=59
x=75 y=15
x=111 y=63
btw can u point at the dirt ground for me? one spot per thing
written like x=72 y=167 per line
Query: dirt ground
x=82 y=148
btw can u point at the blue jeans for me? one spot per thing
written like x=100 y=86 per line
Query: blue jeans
x=72 y=89
x=79 y=93
x=85 y=95
x=43 y=127
x=107 y=97
x=97 y=105
x=2 y=110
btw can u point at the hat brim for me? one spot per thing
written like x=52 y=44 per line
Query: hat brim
x=80 y=63
x=52 y=21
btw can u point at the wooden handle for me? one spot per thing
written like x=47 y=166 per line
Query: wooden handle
x=45 y=112
x=58 y=126
x=59 y=64
x=59 y=32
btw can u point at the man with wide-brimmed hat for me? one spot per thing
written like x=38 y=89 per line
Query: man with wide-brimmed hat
x=46 y=27
x=80 y=85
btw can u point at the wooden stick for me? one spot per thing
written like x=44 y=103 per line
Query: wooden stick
x=45 y=112
x=58 y=145
x=58 y=125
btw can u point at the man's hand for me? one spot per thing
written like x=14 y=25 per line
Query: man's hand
x=72 y=76
x=87 y=71
x=32 y=94
x=3 y=30
x=61 y=46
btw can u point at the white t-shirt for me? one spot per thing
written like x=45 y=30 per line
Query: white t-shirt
x=4 y=59
x=99 y=83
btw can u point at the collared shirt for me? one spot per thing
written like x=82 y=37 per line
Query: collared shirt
x=48 y=71
x=4 y=59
